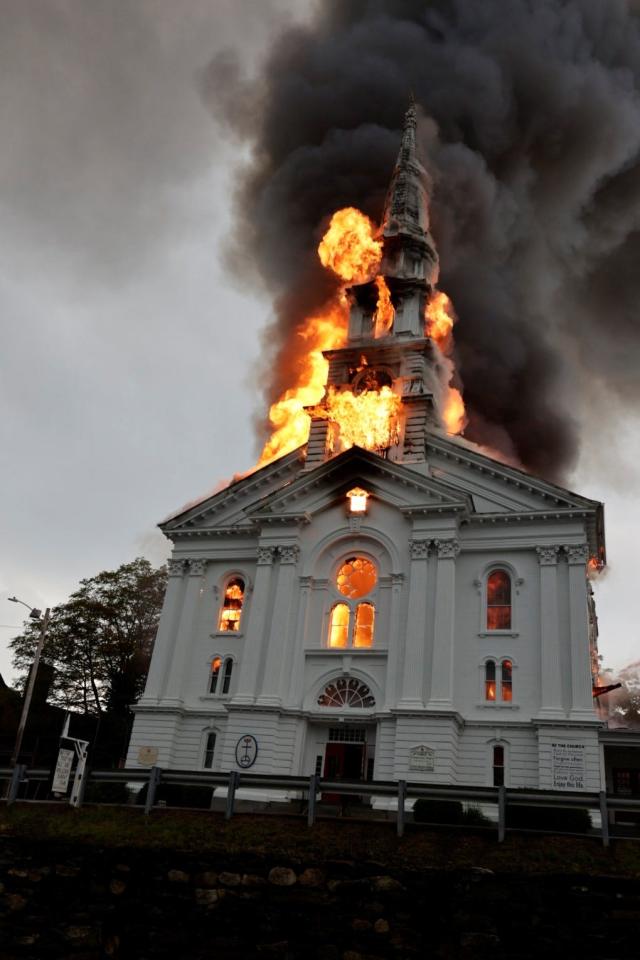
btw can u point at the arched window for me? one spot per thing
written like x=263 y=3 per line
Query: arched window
x=346 y=692
x=498 y=765
x=209 y=750
x=506 y=682
x=499 y=600
x=232 y=606
x=490 y=680
x=498 y=681
x=351 y=623
x=220 y=677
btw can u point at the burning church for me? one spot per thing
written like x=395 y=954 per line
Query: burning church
x=380 y=598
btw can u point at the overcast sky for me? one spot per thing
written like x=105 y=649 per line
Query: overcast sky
x=127 y=368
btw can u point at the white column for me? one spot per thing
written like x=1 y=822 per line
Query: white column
x=581 y=680
x=392 y=694
x=444 y=627
x=415 y=639
x=256 y=624
x=550 y=685
x=164 y=642
x=186 y=626
x=271 y=694
x=293 y=696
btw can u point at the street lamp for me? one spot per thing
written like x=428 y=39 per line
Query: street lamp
x=35 y=614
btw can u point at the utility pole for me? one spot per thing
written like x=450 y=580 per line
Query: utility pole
x=31 y=682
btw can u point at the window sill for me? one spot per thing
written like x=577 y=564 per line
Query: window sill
x=221 y=697
x=226 y=633
x=497 y=705
x=498 y=633
x=341 y=651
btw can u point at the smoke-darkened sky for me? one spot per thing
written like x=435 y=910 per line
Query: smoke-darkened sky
x=129 y=370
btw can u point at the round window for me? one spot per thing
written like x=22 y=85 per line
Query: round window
x=356 y=577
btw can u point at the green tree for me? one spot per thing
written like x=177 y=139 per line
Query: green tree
x=99 y=643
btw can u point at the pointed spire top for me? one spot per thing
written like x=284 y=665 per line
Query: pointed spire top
x=408 y=147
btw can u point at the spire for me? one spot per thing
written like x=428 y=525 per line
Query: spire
x=405 y=209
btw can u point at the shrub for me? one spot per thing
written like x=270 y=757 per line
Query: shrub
x=437 y=811
x=474 y=817
x=106 y=792
x=176 y=795
x=563 y=819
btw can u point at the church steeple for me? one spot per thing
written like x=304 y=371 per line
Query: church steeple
x=394 y=354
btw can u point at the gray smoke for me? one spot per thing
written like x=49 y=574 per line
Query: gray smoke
x=533 y=144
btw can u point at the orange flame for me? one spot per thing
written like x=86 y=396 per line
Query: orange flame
x=369 y=419
x=440 y=318
x=385 y=313
x=349 y=247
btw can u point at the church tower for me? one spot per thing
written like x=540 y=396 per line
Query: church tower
x=387 y=345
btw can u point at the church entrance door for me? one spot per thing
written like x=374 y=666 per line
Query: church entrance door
x=342 y=761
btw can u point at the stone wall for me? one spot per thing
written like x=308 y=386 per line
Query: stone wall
x=86 y=903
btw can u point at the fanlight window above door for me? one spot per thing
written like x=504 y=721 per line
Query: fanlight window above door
x=346 y=692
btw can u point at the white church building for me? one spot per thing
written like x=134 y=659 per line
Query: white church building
x=420 y=612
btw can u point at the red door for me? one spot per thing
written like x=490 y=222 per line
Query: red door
x=342 y=761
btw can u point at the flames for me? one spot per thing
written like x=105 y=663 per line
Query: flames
x=370 y=419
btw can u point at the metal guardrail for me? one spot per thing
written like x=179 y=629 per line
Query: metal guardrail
x=310 y=787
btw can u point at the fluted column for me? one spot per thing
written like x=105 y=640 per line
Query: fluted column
x=441 y=697
x=164 y=643
x=293 y=695
x=271 y=693
x=581 y=681
x=256 y=624
x=550 y=681
x=415 y=640
x=186 y=626
x=392 y=694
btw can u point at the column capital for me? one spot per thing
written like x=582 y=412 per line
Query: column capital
x=266 y=556
x=289 y=553
x=547 y=556
x=577 y=554
x=175 y=568
x=419 y=549
x=197 y=568
x=447 y=549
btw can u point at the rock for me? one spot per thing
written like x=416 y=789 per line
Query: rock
x=479 y=941
x=482 y=871
x=122 y=868
x=18 y=872
x=117 y=886
x=361 y=925
x=282 y=877
x=386 y=885
x=78 y=934
x=230 y=879
x=178 y=876
x=15 y=901
x=351 y=955
x=252 y=880
x=381 y=926
x=67 y=870
x=273 y=949
x=206 y=897
x=328 y=951
x=111 y=944
x=35 y=876
x=311 y=877
x=207 y=879
x=27 y=939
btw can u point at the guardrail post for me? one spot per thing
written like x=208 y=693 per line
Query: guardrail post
x=314 y=780
x=234 y=779
x=604 y=818
x=17 y=775
x=502 y=813
x=402 y=793
x=154 y=779
x=82 y=786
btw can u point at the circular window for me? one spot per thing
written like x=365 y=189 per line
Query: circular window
x=356 y=577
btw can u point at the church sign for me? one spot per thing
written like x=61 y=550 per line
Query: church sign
x=421 y=758
x=567 y=763
x=246 y=751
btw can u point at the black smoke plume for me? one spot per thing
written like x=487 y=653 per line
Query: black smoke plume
x=531 y=134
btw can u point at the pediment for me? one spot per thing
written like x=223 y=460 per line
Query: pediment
x=399 y=486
